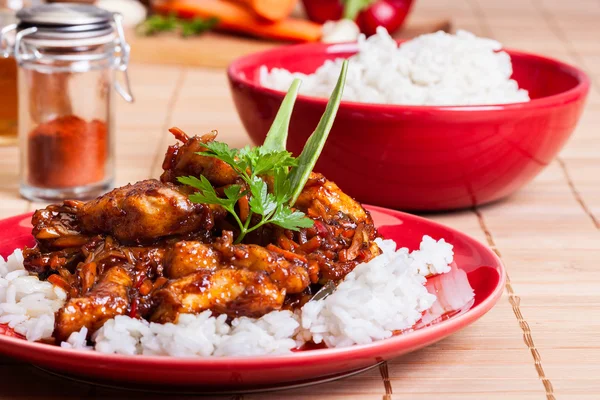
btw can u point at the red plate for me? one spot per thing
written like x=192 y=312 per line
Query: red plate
x=484 y=271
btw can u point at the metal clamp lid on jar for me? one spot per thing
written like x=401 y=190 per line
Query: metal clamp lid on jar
x=68 y=25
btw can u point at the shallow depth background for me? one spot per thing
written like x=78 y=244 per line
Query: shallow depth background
x=548 y=234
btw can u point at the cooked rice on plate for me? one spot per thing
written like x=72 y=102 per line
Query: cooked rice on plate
x=380 y=297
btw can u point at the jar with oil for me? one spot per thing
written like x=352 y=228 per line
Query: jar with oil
x=9 y=103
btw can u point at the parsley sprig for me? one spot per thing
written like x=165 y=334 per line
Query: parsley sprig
x=187 y=27
x=269 y=162
x=252 y=165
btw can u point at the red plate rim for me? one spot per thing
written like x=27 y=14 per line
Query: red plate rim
x=417 y=338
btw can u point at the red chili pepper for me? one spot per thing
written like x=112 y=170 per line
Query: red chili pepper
x=140 y=279
x=321 y=228
x=133 y=310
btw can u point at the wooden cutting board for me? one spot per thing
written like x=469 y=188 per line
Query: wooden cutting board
x=217 y=50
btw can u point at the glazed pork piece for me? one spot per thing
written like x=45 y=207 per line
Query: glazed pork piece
x=108 y=298
x=141 y=213
x=187 y=257
x=59 y=240
x=58 y=226
x=145 y=250
x=235 y=292
x=183 y=160
x=326 y=200
x=144 y=212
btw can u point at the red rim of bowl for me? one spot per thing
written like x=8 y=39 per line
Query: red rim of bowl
x=412 y=339
x=582 y=87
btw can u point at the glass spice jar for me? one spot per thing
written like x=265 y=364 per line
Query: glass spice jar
x=68 y=56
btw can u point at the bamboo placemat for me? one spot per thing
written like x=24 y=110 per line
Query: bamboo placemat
x=541 y=339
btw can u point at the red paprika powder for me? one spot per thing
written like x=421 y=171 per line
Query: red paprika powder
x=67 y=151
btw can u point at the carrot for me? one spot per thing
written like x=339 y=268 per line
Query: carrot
x=146 y=287
x=244 y=208
x=288 y=255
x=271 y=10
x=235 y=17
x=286 y=244
x=159 y=282
x=59 y=281
x=312 y=245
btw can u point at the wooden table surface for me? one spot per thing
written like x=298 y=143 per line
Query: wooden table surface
x=540 y=341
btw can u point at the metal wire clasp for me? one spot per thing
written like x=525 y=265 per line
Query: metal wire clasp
x=5 y=47
x=18 y=49
x=122 y=60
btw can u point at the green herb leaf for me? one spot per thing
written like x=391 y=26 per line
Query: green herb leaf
x=249 y=154
x=292 y=220
x=282 y=187
x=312 y=150
x=197 y=26
x=201 y=184
x=272 y=160
x=234 y=192
x=206 y=192
x=222 y=151
x=256 y=159
x=353 y=7
x=277 y=136
x=262 y=202
x=254 y=165
x=157 y=23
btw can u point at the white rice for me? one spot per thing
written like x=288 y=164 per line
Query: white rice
x=200 y=335
x=386 y=294
x=432 y=69
x=432 y=258
x=77 y=340
x=27 y=304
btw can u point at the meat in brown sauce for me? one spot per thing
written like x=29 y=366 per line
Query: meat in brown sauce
x=146 y=251
x=144 y=212
x=108 y=298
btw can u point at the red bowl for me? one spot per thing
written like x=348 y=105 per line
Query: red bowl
x=421 y=158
